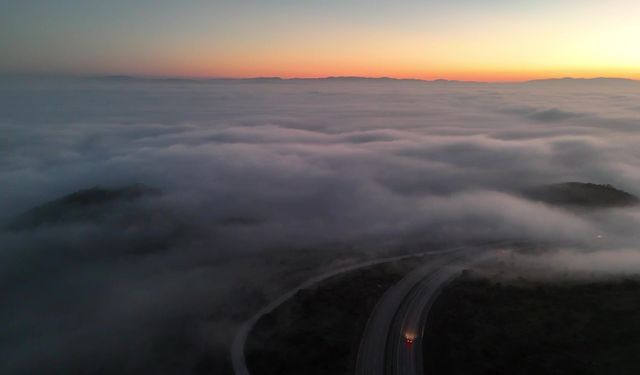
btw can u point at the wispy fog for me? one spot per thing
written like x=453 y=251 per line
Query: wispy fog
x=263 y=180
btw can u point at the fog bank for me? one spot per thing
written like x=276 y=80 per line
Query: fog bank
x=262 y=183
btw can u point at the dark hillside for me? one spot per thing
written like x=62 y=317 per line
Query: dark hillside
x=582 y=194
x=82 y=205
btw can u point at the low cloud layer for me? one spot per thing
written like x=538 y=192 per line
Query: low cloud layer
x=256 y=178
x=600 y=263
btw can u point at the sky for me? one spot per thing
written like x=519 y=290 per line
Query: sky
x=493 y=40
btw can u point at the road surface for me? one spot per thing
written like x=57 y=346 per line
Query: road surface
x=238 y=360
x=402 y=312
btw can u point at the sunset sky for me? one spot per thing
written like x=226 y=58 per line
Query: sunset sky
x=493 y=40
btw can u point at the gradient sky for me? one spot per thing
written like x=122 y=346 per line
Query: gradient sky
x=460 y=39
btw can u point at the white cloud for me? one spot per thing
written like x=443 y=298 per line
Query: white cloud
x=310 y=164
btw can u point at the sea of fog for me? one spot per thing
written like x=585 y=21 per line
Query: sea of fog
x=264 y=182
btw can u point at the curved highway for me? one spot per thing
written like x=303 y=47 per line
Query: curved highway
x=392 y=341
x=238 y=360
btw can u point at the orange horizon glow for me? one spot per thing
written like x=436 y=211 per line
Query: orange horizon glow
x=477 y=76
x=454 y=76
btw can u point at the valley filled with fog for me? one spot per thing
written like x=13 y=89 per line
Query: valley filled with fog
x=257 y=185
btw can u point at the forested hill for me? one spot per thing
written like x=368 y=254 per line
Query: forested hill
x=582 y=194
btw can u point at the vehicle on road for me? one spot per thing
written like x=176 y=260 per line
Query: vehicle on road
x=409 y=338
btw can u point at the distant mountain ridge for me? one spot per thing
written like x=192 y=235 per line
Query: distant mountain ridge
x=565 y=80
x=125 y=78
x=581 y=81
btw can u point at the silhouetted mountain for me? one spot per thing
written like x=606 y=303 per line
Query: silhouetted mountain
x=600 y=81
x=131 y=79
x=82 y=205
x=118 y=78
x=134 y=79
x=582 y=194
x=349 y=79
x=568 y=81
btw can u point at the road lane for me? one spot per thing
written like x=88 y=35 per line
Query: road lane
x=403 y=310
x=238 y=360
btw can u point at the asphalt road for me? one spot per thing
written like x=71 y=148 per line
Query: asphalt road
x=403 y=312
x=238 y=359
